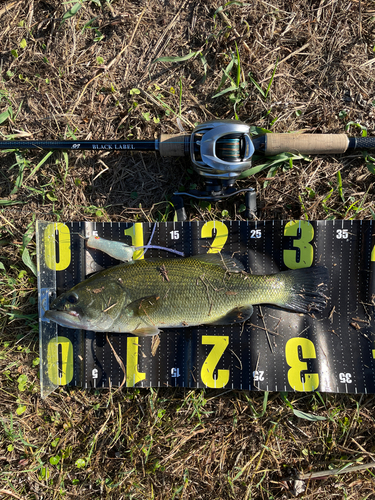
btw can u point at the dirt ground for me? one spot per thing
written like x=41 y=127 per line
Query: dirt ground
x=94 y=72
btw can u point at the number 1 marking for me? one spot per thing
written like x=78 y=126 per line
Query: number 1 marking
x=136 y=234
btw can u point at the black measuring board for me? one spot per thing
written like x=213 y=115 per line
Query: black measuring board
x=276 y=350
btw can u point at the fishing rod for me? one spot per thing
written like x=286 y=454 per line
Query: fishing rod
x=220 y=150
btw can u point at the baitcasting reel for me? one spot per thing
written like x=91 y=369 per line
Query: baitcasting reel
x=220 y=150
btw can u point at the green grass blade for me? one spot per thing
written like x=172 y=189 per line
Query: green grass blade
x=272 y=77
x=238 y=74
x=225 y=91
x=39 y=165
x=233 y=2
x=339 y=186
x=22 y=163
x=257 y=86
x=176 y=59
x=180 y=99
x=226 y=74
x=204 y=63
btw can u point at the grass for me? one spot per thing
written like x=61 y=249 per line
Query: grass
x=114 y=69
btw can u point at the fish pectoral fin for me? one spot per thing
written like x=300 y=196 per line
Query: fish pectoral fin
x=144 y=306
x=146 y=331
x=237 y=315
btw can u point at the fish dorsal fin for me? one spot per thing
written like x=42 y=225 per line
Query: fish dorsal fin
x=222 y=259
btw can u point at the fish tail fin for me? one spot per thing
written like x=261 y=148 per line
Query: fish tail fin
x=306 y=289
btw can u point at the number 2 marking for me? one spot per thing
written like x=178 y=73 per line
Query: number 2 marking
x=207 y=371
x=221 y=235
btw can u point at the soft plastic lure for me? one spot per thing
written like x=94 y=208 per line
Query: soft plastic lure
x=121 y=251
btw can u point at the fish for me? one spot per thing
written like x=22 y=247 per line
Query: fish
x=148 y=296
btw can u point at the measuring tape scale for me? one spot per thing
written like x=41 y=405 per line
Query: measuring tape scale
x=276 y=351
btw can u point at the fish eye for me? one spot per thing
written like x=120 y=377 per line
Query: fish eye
x=72 y=298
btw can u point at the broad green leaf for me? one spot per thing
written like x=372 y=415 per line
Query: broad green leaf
x=23 y=44
x=54 y=460
x=371 y=167
x=71 y=12
x=308 y=416
x=20 y=410
x=5 y=115
x=26 y=259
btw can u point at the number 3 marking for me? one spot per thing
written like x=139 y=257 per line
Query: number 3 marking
x=306 y=251
x=311 y=380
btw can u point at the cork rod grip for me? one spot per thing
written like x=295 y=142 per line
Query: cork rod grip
x=172 y=145
x=306 y=143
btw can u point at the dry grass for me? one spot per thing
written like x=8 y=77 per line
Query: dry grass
x=172 y=443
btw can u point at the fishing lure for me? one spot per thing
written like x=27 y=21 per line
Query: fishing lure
x=122 y=251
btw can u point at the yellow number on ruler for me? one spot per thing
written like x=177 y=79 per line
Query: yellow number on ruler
x=373 y=255
x=303 y=243
x=132 y=374
x=49 y=239
x=297 y=366
x=221 y=235
x=64 y=373
x=136 y=234
x=207 y=371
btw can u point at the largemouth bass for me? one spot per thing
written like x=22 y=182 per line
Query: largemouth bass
x=213 y=289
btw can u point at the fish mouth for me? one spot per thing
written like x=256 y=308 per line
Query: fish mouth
x=69 y=319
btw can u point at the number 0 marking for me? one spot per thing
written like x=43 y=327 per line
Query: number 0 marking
x=373 y=255
x=221 y=235
x=306 y=251
x=207 y=371
x=49 y=239
x=63 y=375
x=297 y=366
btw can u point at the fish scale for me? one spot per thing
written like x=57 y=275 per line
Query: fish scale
x=150 y=295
